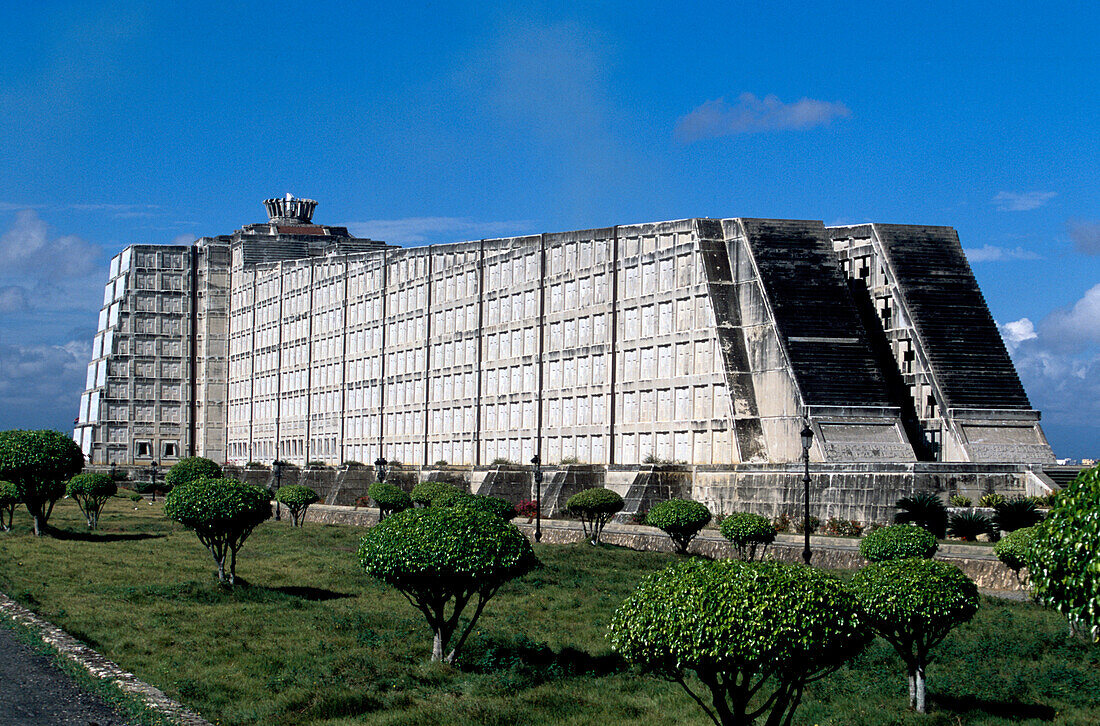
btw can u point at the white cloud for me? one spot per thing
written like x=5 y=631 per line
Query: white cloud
x=40 y=384
x=424 y=230
x=991 y=253
x=1075 y=327
x=1021 y=201
x=752 y=115
x=1017 y=332
x=28 y=248
x=1085 y=235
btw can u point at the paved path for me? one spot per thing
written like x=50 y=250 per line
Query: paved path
x=35 y=692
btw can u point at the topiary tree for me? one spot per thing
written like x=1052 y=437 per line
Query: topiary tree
x=493 y=505
x=1013 y=514
x=9 y=498
x=389 y=499
x=425 y=493
x=91 y=491
x=680 y=519
x=1015 y=548
x=440 y=558
x=594 y=507
x=967 y=526
x=898 y=542
x=39 y=463
x=1064 y=560
x=754 y=633
x=913 y=604
x=924 y=509
x=747 y=531
x=191 y=469
x=223 y=512
x=296 y=498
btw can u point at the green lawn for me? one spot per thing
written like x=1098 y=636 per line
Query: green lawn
x=312 y=640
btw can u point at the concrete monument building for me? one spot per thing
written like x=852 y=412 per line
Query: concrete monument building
x=703 y=341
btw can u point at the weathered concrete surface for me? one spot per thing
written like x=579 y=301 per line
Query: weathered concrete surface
x=978 y=562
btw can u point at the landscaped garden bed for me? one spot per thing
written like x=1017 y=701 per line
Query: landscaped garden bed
x=311 y=639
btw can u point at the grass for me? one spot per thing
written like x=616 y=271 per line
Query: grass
x=312 y=640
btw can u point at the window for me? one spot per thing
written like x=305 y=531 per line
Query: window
x=143 y=450
x=170 y=450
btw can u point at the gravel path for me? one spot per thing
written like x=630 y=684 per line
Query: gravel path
x=35 y=692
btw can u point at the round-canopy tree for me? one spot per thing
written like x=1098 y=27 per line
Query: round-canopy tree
x=493 y=505
x=898 y=542
x=1013 y=550
x=1064 y=561
x=747 y=531
x=39 y=463
x=440 y=558
x=680 y=519
x=192 y=469
x=91 y=491
x=9 y=498
x=296 y=498
x=913 y=604
x=754 y=633
x=389 y=499
x=594 y=507
x=223 y=512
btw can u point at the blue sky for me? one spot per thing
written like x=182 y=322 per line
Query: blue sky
x=139 y=123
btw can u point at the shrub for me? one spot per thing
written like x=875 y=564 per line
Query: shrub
x=761 y=629
x=9 y=499
x=782 y=523
x=924 y=509
x=913 y=604
x=257 y=465
x=192 y=469
x=898 y=542
x=958 y=500
x=493 y=505
x=968 y=525
x=442 y=462
x=1014 y=549
x=90 y=492
x=440 y=558
x=843 y=527
x=639 y=517
x=316 y=465
x=1064 y=560
x=747 y=531
x=119 y=474
x=799 y=527
x=569 y=461
x=594 y=507
x=223 y=512
x=426 y=492
x=528 y=508
x=296 y=498
x=39 y=463
x=680 y=519
x=991 y=500
x=654 y=460
x=135 y=498
x=502 y=461
x=389 y=499
x=1014 y=514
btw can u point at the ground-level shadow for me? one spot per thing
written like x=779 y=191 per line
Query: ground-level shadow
x=536 y=661
x=93 y=536
x=1011 y=710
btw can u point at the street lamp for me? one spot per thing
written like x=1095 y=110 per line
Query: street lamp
x=153 y=476
x=277 y=470
x=537 y=462
x=380 y=469
x=807 y=435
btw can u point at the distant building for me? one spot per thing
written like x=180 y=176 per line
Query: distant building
x=700 y=340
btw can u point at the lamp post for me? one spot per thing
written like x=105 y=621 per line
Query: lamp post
x=277 y=470
x=807 y=435
x=380 y=469
x=153 y=477
x=537 y=463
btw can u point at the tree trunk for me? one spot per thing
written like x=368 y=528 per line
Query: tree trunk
x=437 y=646
x=912 y=687
x=39 y=524
x=920 y=688
x=221 y=570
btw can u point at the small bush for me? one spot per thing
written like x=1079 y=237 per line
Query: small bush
x=528 y=508
x=991 y=500
x=747 y=532
x=958 y=500
x=569 y=461
x=639 y=517
x=1015 y=548
x=815 y=524
x=680 y=519
x=135 y=498
x=898 y=542
x=257 y=465
x=493 y=505
x=191 y=469
x=924 y=509
x=388 y=498
x=502 y=461
x=1014 y=514
x=654 y=460
x=843 y=527
x=594 y=507
x=91 y=492
x=296 y=498
x=967 y=526
x=9 y=499
x=119 y=474
x=782 y=523
x=442 y=462
x=316 y=465
x=352 y=464
x=426 y=492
